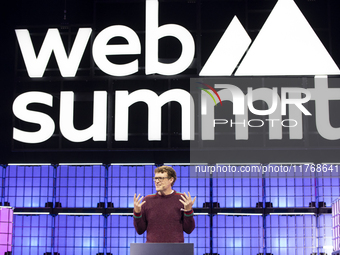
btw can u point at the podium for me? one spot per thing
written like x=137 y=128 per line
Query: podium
x=162 y=249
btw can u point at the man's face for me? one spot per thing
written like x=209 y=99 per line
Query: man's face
x=162 y=185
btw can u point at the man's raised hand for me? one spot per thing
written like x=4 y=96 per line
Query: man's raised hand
x=137 y=203
x=187 y=201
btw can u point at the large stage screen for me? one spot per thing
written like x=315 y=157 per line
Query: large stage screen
x=199 y=81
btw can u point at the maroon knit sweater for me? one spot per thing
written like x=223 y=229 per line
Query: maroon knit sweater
x=162 y=218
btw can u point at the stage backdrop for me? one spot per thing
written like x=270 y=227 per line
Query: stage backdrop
x=170 y=82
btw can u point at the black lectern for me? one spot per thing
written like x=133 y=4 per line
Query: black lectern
x=162 y=249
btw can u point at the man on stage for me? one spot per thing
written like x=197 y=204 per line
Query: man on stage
x=165 y=214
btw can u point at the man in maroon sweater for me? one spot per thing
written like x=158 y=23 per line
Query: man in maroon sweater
x=166 y=214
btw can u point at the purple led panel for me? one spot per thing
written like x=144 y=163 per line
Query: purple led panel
x=6 y=229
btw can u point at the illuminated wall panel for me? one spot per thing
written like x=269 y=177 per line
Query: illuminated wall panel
x=32 y=235
x=76 y=235
x=6 y=229
x=325 y=233
x=290 y=192
x=85 y=186
x=200 y=237
x=28 y=186
x=237 y=192
x=121 y=233
x=291 y=234
x=238 y=234
x=125 y=181
x=80 y=186
x=328 y=190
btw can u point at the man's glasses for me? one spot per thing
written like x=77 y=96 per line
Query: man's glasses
x=159 y=178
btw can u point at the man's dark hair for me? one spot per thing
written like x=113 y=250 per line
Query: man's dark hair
x=169 y=170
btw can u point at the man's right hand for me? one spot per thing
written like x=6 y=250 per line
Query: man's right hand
x=137 y=203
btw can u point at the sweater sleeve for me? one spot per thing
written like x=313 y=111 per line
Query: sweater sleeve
x=188 y=222
x=139 y=221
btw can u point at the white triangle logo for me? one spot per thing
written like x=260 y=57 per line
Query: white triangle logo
x=287 y=45
x=228 y=52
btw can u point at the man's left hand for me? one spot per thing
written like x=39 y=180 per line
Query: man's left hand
x=187 y=202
